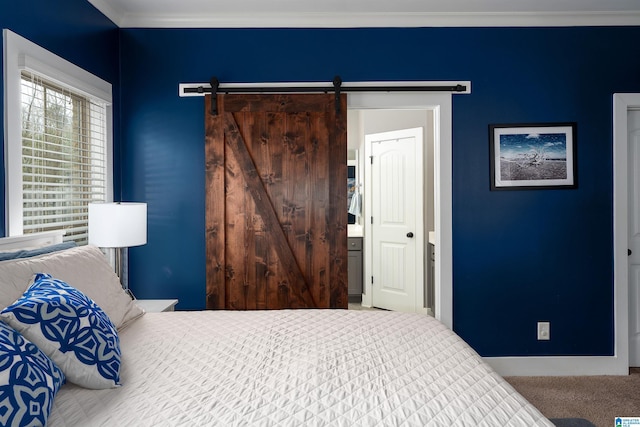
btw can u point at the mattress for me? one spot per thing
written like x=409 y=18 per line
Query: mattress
x=294 y=368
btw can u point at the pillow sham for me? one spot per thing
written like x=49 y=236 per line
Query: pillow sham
x=26 y=253
x=69 y=328
x=29 y=381
x=85 y=268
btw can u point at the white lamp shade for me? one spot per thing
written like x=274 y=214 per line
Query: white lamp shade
x=117 y=225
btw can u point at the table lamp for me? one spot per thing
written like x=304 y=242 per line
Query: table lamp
x=118 y=225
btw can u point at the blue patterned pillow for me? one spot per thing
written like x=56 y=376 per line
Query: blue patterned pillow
x=69 y=328
x=29 y=381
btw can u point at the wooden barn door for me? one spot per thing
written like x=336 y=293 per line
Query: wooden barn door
x=276 y=214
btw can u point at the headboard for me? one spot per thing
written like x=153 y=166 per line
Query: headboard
x=44 y=238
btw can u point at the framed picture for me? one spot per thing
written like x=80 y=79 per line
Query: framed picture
x=533 y=156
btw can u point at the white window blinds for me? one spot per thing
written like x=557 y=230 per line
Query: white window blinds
x=64 y=156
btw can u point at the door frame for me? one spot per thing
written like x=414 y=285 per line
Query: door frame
x=441 y=105
x=622 y=102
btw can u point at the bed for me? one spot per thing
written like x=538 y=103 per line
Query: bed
x=262 y=368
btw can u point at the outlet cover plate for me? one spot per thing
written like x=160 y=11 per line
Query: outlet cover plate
x=544 y=331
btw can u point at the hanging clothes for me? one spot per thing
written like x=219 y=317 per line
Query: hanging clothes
x=355 y=208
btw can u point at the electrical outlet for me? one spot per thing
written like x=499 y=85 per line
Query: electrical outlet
x=544 y=333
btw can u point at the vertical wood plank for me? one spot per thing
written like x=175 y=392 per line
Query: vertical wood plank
x=274 y=131
x=249 y=282
x=288 y=189
x=297 y=189
x=317 y=248
x=215 y=210
x=252 y=127
x=337 y=205
x=236 y=236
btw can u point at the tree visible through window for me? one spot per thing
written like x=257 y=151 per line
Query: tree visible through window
x=64 y=157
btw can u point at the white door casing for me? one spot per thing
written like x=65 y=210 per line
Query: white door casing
x=633 y=189
x=441 y=106
x=397 y=224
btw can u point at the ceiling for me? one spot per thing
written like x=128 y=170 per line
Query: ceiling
x=367 y=13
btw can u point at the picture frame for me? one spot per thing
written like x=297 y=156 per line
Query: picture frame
x=531 y=156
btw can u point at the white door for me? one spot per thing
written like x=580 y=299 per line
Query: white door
x=397 y=225
x=633 y=125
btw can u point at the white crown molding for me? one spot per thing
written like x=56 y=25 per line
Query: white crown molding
x=114 y=14
x=353 y=20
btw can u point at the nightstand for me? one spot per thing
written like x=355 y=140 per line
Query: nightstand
x=156 y=305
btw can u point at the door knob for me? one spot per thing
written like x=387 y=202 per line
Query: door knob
x=629 y=252
x=410 y=234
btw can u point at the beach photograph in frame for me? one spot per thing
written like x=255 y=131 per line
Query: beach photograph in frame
x=533 y=156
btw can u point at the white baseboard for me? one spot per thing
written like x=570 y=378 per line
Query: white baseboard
x=559 y=365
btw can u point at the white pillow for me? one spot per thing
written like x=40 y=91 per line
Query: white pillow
x=85 y=268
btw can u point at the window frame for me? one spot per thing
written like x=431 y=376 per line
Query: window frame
x=21 y=54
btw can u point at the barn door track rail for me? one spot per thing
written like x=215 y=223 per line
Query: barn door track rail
x=337 y=87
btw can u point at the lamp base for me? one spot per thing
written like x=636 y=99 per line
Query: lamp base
x=120 y=270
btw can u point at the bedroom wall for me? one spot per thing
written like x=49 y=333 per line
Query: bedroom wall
x=518 y=256
x=75 y=31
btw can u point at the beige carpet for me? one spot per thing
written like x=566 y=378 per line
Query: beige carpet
x=598 y=399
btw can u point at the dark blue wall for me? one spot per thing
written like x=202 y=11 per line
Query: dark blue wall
x=518 y=256
x=75 y=31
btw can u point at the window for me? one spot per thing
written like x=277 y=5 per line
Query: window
x=63 y=157
x=58 y=145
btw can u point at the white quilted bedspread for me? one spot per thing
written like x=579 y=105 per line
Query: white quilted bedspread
x=296 y=368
